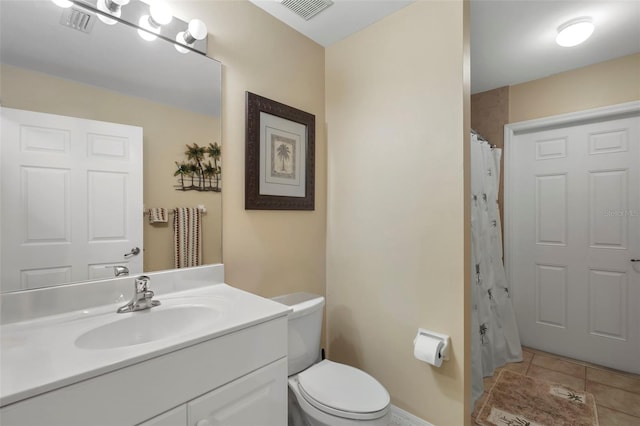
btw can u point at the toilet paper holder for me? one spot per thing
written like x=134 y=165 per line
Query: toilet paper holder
x=444 y=352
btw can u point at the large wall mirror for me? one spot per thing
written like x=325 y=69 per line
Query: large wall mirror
x=104 y=74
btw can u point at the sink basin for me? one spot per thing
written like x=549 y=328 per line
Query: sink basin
x=148 y=326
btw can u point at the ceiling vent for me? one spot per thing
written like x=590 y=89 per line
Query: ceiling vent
x=78 y=20
x=306 y=9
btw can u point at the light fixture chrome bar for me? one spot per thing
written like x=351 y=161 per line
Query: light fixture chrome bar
x=131 y=14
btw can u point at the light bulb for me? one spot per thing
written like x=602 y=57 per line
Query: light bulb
x=110 y=7
x=197 y=29
x=144 y=23
x=103 y=7
x=180 y=39
x=160 y=13
x=62 y=3
x=574 y=32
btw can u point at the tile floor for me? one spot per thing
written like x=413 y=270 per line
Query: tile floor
x=617 y=393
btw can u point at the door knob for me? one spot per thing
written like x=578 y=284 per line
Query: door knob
x=635 y=260
x=134 y=252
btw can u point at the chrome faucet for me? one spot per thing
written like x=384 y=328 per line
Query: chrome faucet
x=142 y=298
x=119 y=270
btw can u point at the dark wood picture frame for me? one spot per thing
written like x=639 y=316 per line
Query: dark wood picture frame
x=253 y=199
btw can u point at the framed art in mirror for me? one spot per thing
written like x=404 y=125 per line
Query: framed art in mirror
x=279 y=156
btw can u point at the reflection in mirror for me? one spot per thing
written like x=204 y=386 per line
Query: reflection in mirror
x=106 y=82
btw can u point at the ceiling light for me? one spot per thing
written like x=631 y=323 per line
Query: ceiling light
x=197 y=30
x=110 y=7
x=574 y=32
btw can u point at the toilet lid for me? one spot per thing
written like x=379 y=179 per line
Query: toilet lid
x=343 y=390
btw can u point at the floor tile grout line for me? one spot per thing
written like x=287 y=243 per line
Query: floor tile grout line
x=611 y=408
x=570 y=361
x=611 y=386
x=584 y=364
x=622 y=374
x=618 y=411
x=614 y=409
x=529 y=366
x=562 y=372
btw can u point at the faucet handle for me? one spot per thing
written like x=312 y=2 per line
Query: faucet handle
x=142 y=284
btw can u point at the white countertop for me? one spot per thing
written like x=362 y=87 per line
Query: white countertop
x=40 y=355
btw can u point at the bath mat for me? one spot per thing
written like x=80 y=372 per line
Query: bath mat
x=517 y=400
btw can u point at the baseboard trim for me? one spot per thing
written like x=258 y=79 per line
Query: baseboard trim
x=399 y=417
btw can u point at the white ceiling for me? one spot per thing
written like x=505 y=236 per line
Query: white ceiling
x=512 y=41
x=338 y=21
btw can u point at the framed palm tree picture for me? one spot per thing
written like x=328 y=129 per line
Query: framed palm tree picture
x=279 y=156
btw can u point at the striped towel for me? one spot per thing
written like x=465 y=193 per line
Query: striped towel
x=187 y=237
x=158 y=215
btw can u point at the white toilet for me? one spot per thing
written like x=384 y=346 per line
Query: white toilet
x=326 y=393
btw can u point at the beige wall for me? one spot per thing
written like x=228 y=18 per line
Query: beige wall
x=489 y=114
x=396 y=237
x=266 y=252
x=166 y=130
x=606 y=83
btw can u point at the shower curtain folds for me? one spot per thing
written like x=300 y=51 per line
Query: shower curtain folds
x=494 y=333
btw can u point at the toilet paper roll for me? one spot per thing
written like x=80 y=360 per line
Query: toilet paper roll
x=428 y=349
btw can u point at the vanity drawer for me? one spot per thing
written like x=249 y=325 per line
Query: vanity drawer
x=138 y=392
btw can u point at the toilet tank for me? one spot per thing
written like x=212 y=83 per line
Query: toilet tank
x=305 y=326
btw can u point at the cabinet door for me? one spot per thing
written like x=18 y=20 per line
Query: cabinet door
x=259 y=398
x=175 y=417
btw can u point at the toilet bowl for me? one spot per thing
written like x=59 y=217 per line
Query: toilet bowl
x=323 y=392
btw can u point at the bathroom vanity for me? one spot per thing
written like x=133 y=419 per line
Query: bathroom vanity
x=208 y=355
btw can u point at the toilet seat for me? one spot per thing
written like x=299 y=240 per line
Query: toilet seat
x=343 y=391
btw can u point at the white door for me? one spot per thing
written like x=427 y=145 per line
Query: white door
x=574 y=229
x=71 y=199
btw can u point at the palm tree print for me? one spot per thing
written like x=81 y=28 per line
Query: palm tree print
x=574 y=396
x=483 y=332
x=284 y=153
x=515 y=422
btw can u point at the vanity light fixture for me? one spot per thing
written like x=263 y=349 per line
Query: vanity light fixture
x=159 y=15
x=62 y=3
x=111 y=7
x=152 y=19
x=574 y=32
x=197 y=30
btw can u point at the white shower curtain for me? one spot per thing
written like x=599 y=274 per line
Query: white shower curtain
x=494 y=333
